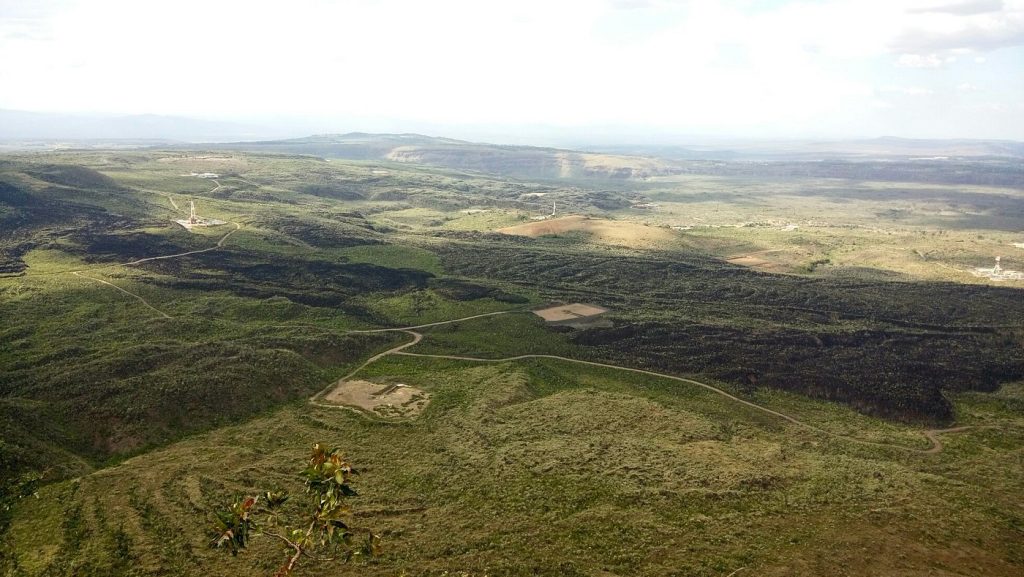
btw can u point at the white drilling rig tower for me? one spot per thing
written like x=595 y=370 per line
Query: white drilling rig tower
x=195 y=220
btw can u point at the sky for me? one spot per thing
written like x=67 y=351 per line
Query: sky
x=779 y=69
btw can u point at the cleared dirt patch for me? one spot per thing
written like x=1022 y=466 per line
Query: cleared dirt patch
x=756 y=260
x=572 y=312
x=613 y=232
x=748 y=261
x=386 y=400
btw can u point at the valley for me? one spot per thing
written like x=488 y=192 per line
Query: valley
x=784 y=368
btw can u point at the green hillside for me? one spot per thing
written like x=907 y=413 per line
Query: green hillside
x=543 y=468
x=830 y=329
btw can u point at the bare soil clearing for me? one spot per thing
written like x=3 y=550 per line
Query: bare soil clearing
x=575 y=311
x=387 y=400
x=612 y=232
x=757 y=261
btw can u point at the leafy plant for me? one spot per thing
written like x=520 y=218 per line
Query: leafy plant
x=320 y=533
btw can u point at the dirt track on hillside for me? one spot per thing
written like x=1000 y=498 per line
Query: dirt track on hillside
x=220 y=243
x=932 y=435
x=127 y=292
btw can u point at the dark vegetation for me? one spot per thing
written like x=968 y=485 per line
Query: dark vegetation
x=114 y=394
x=73 y=176
x=312 y=282
x=100 y=246
x=31 y=218
x=328 y=231
x=886 y=348
x=459 y=290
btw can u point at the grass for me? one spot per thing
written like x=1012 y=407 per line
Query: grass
x=394 y=256
x=509 y=473
x=495 y=337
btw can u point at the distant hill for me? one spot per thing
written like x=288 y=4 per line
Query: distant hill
x=515 y=161
x=885 y=159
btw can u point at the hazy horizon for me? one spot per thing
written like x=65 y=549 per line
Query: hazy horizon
x=532 y=71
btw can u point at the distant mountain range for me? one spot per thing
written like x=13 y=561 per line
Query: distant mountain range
x=20 y=129
x=507 y=160
x=19 y=125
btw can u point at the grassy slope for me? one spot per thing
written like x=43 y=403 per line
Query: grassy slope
x=544 y=468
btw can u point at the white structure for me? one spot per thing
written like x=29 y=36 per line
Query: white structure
x=998 y=272
x=554 y=209
x=194 y=219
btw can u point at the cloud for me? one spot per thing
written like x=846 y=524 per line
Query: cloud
x=633 y=4
x=26 y=20
x=979 y=26
x=963 y=7
x=720 y=66
x=907 y=90
x=919 y=61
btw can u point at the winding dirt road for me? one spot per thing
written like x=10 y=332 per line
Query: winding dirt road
x=416 y=338
x=220 y=243
x=932 y=435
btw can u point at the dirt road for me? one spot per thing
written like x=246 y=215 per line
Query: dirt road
x=437 y=324
x=220 y=243
x=416 y=338
x=129 y=293
x=932 y=435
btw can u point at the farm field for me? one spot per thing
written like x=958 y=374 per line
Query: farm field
x=787 y=369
